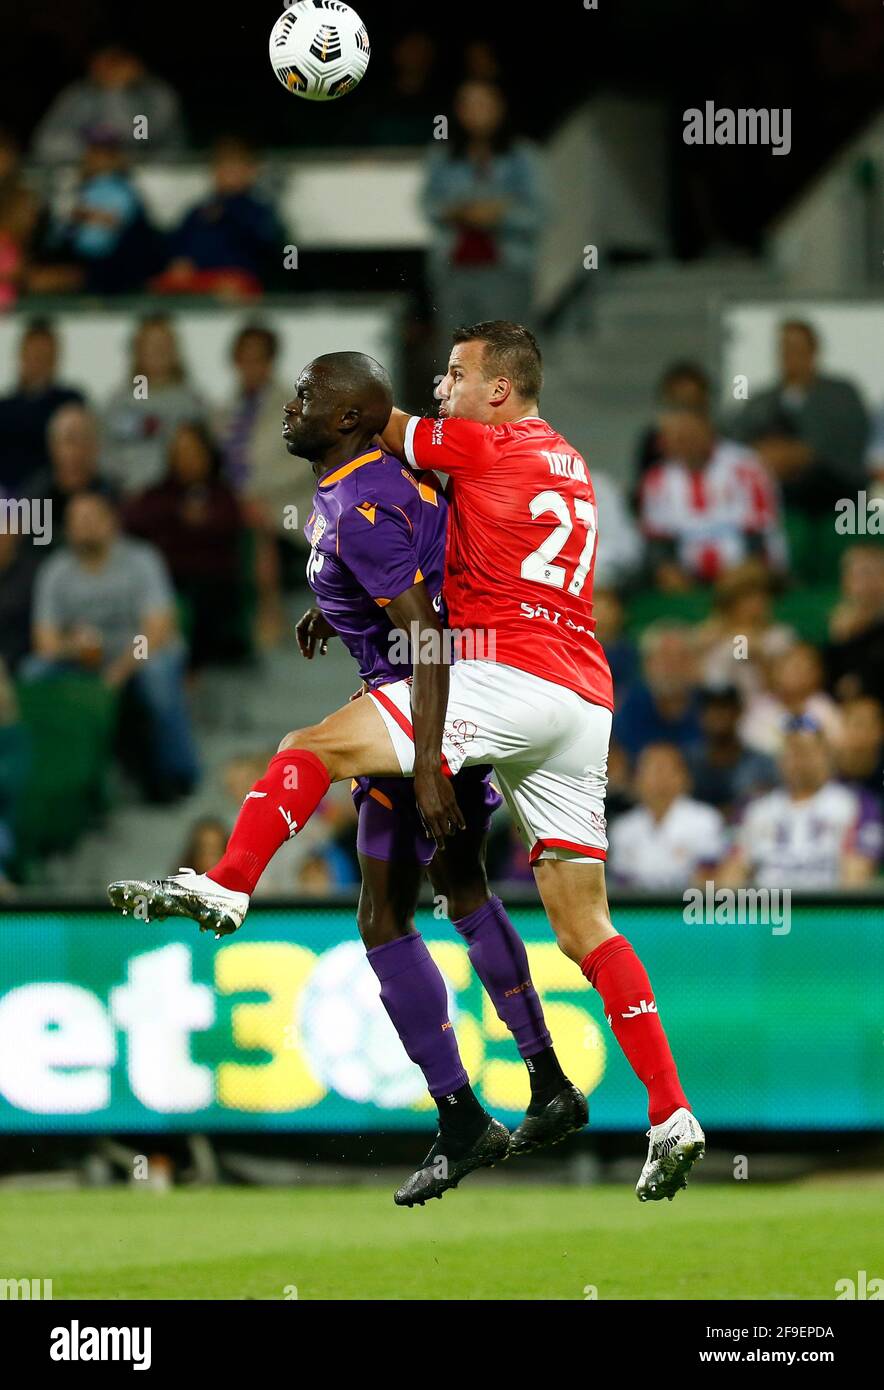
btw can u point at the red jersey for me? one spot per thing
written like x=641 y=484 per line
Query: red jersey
x=520 y=556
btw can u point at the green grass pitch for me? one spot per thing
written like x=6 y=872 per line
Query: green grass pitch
x=485 y=1241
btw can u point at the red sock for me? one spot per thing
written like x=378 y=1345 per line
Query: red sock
x=275 y=809
x=620 y=978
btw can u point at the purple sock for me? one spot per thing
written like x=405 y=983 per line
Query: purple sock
x=413 y=993
x=499 y=958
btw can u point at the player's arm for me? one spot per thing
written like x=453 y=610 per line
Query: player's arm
x=376 y=542
x=414 y=614
x=393 y=438
x=450 y=445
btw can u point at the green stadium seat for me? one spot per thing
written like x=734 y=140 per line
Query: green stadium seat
x=71 y=719
x=651 y=606
x=807 y=610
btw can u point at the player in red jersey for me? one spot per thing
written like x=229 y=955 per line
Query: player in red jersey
x=532 y=695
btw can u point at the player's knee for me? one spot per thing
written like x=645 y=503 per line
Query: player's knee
x=465 y=899
x=576 y=939
x=298 y=738
x=378 y=928
x=311 y=740
x=568 y=943
x=365 y=923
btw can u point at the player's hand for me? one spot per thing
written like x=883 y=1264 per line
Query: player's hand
x=437 y=805
x=313 y=628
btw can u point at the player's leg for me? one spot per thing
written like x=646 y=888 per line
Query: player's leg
x=560 y=808
x=351 y=742
x=576 y=903
x=392 y=855
x=498 y=956
x=549 y=749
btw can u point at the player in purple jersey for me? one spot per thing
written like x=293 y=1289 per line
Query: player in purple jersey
x=377 y=538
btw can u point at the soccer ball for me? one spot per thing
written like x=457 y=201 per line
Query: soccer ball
x=319 y=49
x=349 y=1042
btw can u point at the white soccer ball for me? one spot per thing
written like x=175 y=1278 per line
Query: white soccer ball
x=319 y=49
x=349 y=1042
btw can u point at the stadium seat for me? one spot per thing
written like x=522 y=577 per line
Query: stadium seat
x=808 y=611
x=71 y=720
x=653 y=606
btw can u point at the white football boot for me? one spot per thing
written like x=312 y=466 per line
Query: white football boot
x=185 y=894
x=673 y=1150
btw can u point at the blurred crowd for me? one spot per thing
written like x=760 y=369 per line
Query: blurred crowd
x=745 y=634
x=73 y=218
x=154 y=525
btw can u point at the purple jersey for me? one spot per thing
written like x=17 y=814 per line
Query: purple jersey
x=376 y=529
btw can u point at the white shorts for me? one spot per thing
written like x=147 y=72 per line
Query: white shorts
x=548 y=746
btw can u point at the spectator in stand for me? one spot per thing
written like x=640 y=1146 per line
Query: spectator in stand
x=232 y=242
x=106 y=243
x=707 y=507
x=620 y=547
x=205 y=845
x=143 y=414
x=270 y=483
x=741 y=640
x=192 y=518
x=25 y=414
x=795 y=690
x=105 y=604
x=15 y=762
x=484 y=198
x=810 y=430
x=669 y=840
x=859 y=751
x=855 y=651
x=480 y=62
x=276 y=490
x=116 y=92
x=19 y=560
x=663 y=706
x=21 y=215
x=813 y=833
x=725 y=773
x=74 y=463
x=411 y=94
x=683 y=386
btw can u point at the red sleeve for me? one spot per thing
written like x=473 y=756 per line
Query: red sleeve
x=453 y=446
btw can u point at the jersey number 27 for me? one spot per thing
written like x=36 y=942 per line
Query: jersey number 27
x=539 y=564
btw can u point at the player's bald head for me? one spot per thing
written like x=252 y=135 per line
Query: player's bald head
x=342 y=401
x=352 y=383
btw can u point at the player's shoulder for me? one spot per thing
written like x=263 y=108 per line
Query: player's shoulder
x=534 y=436
x=388 y=482
x=531 y=429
